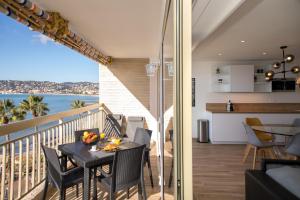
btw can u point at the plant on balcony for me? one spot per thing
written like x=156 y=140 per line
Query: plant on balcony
x=35 y=105
x=77 y=104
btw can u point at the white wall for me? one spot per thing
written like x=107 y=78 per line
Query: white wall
x=124 y=88
x=202 y=73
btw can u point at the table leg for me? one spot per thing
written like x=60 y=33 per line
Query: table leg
x=95 y=183
x=140 y=193
x=86 y=185
x=64 y=162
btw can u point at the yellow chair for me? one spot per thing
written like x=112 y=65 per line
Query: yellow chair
x=260 y=134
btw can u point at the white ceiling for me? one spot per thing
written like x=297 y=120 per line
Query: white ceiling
x=264 y=25
x=210 y=14
x=123 y=29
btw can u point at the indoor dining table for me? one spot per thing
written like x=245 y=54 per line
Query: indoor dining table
x=284 y=130
x=90 y=160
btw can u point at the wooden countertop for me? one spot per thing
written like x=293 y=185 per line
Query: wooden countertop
x=255 y=108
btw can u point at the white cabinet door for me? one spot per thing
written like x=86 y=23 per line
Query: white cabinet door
x=242 y=78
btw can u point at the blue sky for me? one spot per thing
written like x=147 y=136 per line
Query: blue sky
x=28 y=55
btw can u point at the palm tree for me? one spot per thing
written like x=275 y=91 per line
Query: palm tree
x=9 y=112
x=35 y=105
x=77 y=104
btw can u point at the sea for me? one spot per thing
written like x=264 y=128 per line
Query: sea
x=56 y=103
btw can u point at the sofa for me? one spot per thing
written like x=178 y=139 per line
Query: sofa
x=277 y=180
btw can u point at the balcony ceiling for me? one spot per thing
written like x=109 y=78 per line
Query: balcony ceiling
x=123 y=29
x=264 y=25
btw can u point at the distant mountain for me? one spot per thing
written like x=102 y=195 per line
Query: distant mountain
x=47 y=87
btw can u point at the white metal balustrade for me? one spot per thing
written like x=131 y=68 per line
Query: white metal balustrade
x=22 y=161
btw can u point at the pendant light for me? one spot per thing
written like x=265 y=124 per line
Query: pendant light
x=269 y=75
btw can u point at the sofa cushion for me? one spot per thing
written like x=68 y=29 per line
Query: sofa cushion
x=288 y=177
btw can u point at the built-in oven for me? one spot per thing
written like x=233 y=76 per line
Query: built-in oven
x=280 y=85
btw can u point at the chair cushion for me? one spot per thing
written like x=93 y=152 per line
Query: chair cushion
x=288 y=177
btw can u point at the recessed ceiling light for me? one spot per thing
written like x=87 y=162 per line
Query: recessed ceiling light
x=242 y=41
x=264 y=53
x=219 y=54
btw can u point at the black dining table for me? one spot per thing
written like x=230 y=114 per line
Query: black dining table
x=90 y=160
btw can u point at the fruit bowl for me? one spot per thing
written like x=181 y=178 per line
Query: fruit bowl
x=91 y=143
x=90 y=138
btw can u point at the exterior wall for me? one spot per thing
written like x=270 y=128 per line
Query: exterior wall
x=125 y=89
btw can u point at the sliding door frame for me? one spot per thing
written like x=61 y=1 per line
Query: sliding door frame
x=182 y=98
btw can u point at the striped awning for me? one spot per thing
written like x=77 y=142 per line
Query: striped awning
x=51 y=24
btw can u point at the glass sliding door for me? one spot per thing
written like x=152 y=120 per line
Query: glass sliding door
x=175 y=102
x=183 y=99
x=166 y=74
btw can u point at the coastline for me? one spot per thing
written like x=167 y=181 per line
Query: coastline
x=50 y=94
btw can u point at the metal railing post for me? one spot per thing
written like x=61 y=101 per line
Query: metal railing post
x=60 y=131
x=89 y=119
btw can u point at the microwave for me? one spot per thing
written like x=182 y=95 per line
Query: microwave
x=281 y=85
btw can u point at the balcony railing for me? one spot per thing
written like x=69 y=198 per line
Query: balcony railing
x=22 y=162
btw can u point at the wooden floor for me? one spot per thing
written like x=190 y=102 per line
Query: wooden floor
x=218 y=174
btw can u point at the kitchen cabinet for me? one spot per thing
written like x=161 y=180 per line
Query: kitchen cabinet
x=242 y=78
x=233 y=78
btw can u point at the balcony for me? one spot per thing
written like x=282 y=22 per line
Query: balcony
x=23 y=166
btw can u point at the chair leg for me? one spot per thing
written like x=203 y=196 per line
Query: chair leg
x=111 y=195
x=144 y=191
x=62 y=194
x=271 y=153
x=171 y=174
x=77 y=191
x=263 y=153
x=247 y=151
x=45 y=188
x=254 y=158
x=150 y=171
x=140 y=192
x=128 y=196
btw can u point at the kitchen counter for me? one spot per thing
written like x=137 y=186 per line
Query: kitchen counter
x=227 y=127
x=255 y=108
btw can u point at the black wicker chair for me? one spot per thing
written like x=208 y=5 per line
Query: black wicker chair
x=127 y=171
x=111 y=127
x=143 y=136
x=61 y=179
